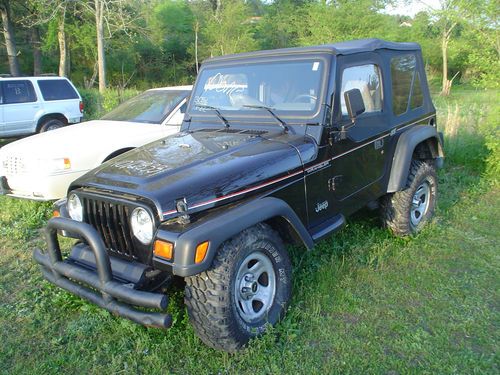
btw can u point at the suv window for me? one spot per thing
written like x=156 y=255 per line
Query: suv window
x=417 y=98
x=366 y=78
x=18 y=92
x=404 y=75
x=57 y=89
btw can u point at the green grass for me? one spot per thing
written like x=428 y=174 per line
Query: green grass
x=364 y=301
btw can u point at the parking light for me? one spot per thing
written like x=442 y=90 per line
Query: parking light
x=163 y=249
x=201 y=252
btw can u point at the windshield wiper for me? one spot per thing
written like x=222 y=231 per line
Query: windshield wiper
x=217 y=112
x=270 y=110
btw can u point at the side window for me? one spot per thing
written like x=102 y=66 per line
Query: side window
x=183 y=107
x=417 y=98
x=366 y=78
x=57 y=89
x=18 y=92
x=405 y=81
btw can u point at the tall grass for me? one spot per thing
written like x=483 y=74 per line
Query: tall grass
x=469 y=119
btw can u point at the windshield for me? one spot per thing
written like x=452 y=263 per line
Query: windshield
x=150 y=107
x=286 y=87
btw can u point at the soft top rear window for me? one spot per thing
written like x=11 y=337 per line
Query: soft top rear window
x=57 y=89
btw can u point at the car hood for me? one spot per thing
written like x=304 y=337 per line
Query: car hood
x=63 y=142
x=206 y=168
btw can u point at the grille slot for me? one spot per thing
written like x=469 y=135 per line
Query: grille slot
x=111 y=220
x=13 y=165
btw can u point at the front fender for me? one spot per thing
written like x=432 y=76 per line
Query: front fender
x=222 y=227
x=405 y=147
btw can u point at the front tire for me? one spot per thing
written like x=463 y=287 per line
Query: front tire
x=247 y=287
x=407 y=211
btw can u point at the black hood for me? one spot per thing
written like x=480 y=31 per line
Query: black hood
x=207 y=168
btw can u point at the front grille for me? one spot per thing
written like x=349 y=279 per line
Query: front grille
x=13 y=165
x=111 y=220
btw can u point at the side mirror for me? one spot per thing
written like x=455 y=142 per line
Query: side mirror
x=355 y=107
x=354 y=103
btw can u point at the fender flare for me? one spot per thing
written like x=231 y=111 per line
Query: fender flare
x=220 y=228
x=403 y=153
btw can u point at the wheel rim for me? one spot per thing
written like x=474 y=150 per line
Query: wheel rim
x=255 y=287
x=420 y=203
x=53 y=127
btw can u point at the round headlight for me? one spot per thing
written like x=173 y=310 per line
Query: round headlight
x=142 y=225
x=75 y=208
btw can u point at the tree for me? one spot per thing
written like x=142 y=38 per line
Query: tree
x=10 y=42
x=101 y=56
x=229 y=28
x=336 y=21
x=110 y=16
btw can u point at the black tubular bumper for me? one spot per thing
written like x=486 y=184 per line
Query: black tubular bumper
x=114 y=296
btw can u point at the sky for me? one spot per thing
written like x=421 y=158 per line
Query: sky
x=412 y=7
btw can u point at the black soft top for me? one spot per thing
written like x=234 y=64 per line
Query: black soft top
x=342 y=48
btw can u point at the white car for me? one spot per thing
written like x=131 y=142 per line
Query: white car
x=42 y=166
x=37 y=104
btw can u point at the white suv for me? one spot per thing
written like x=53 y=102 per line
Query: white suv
x=37 y=104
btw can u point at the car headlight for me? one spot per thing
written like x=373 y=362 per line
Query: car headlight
x=142 y=225
x=75 y=208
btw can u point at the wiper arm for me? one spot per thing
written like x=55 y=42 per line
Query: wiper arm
x=217 y=112
x=270 y=110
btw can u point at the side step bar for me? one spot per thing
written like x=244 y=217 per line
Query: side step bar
x=324 y=229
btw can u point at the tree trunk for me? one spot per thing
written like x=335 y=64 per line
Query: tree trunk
x=101 y=58
x=10 y=42
x=444 y=52
x=446 y=86
x=63 y=50
x=37 y=53
x=196 y=30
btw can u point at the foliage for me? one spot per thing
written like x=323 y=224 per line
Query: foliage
x=229 y=29
x=97 y=104
x=153 y=43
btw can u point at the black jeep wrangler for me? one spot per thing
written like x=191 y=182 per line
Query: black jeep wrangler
x=276 y=147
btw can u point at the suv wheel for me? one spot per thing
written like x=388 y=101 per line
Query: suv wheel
x=406 y=212
x=51 y=124
x=247 y=287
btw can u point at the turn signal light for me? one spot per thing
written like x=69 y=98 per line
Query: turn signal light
x=56 y=213
x=201 y=252
x=163 y=249
x=67 y=163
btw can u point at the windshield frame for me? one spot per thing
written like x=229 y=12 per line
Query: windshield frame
x=256 y=116
x=177 y=92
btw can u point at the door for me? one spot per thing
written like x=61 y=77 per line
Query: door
x=20 y=106
x=358 y=161
x=349 y=171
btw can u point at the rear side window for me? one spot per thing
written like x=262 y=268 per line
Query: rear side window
x=405 y=81
x=57 y=89
x=18 y=92
x=366 y=78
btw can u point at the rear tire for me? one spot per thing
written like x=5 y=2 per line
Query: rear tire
x=407 y=211
x=51 y=124
x=247 y=287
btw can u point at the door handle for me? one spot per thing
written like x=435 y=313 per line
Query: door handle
x=333 y=182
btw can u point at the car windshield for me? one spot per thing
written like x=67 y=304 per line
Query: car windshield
x=150 y=107
x=287 y=87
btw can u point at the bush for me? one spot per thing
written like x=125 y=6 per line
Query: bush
x=491 y=131
x=97 y=105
